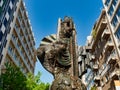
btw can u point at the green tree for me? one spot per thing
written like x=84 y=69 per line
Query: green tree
x=34 y=82
x=93 y=88
x=12 y=78
x=94 y=33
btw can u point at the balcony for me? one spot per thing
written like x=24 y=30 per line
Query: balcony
x=88 y=48
x=106 y=34
x=97 y=78
x=101 y=25
x=17 y=29
x=112 y=59
x=87 y=62
x=95 y=67
x=20 y=53
x=19 y=20
x=12 y=56
x=102 y=84
x=84 y=53
x=109 y=46
x=92 y=58
x=105 y=70
x=115 y=74
x=21 y=37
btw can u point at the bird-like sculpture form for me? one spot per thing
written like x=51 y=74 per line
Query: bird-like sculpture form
x=58 y=55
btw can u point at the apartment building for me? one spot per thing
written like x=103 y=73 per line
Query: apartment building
x=112 y=9
x=84 y=63
x=104 y=58
x=17 y=44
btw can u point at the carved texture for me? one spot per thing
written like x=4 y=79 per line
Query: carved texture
x=56 y=56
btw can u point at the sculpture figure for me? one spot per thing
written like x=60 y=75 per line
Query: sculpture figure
x=58 y=54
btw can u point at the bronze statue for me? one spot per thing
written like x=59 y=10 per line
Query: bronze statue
x=58 y=54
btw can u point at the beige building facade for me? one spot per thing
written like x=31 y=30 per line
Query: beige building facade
x=104 y=58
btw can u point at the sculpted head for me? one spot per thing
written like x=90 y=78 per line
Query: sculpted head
x=67 y=27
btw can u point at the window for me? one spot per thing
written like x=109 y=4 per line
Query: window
x=118 y=12
x=113 y=53
x=114 y=2
x=9 y=28
x=10 y=49
x=107 y=78
x=110 y=12
x=5 y=22
x=117 y=34
x=9 y=10
x=4 y=44
x=1 y=58
x=13 y=1
x=4 y=36
x=1 y=35
x=1 y=48
x=114 y=21
x=13 y=36
x=109 y=40
x=99 y=44
x=107 y=2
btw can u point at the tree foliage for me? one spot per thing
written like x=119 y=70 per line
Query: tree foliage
x=93 y=88
x=94 y=33
x=14 y=79
x=34 y=82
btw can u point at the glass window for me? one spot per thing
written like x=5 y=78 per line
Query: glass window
x=1 y=58
x=15 y=56
x=4 y=39
x=118 y=12
x=117 y=34
x=5 y=22
x=5 y=43
x=107 y=2
x=1 y=48
x=114 y=2
x=9 y=10
x=13 y=1
x=110 y=12
x=114 y=21
x=1 y=35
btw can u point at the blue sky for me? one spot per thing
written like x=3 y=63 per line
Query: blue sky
x=44 y=15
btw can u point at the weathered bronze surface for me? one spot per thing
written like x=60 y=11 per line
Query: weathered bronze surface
x=58 y=54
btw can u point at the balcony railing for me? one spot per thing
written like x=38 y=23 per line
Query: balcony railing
x=21 y=40
x=19 y=19
x=92 y=57
x=105 y=70
x=21 y=53
x=97 y=78
x=109 y=46
x=115 y=73
x=106 y=34
x=112 y=59
x=95 y=67
x=12 y=55
x=101 y=25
